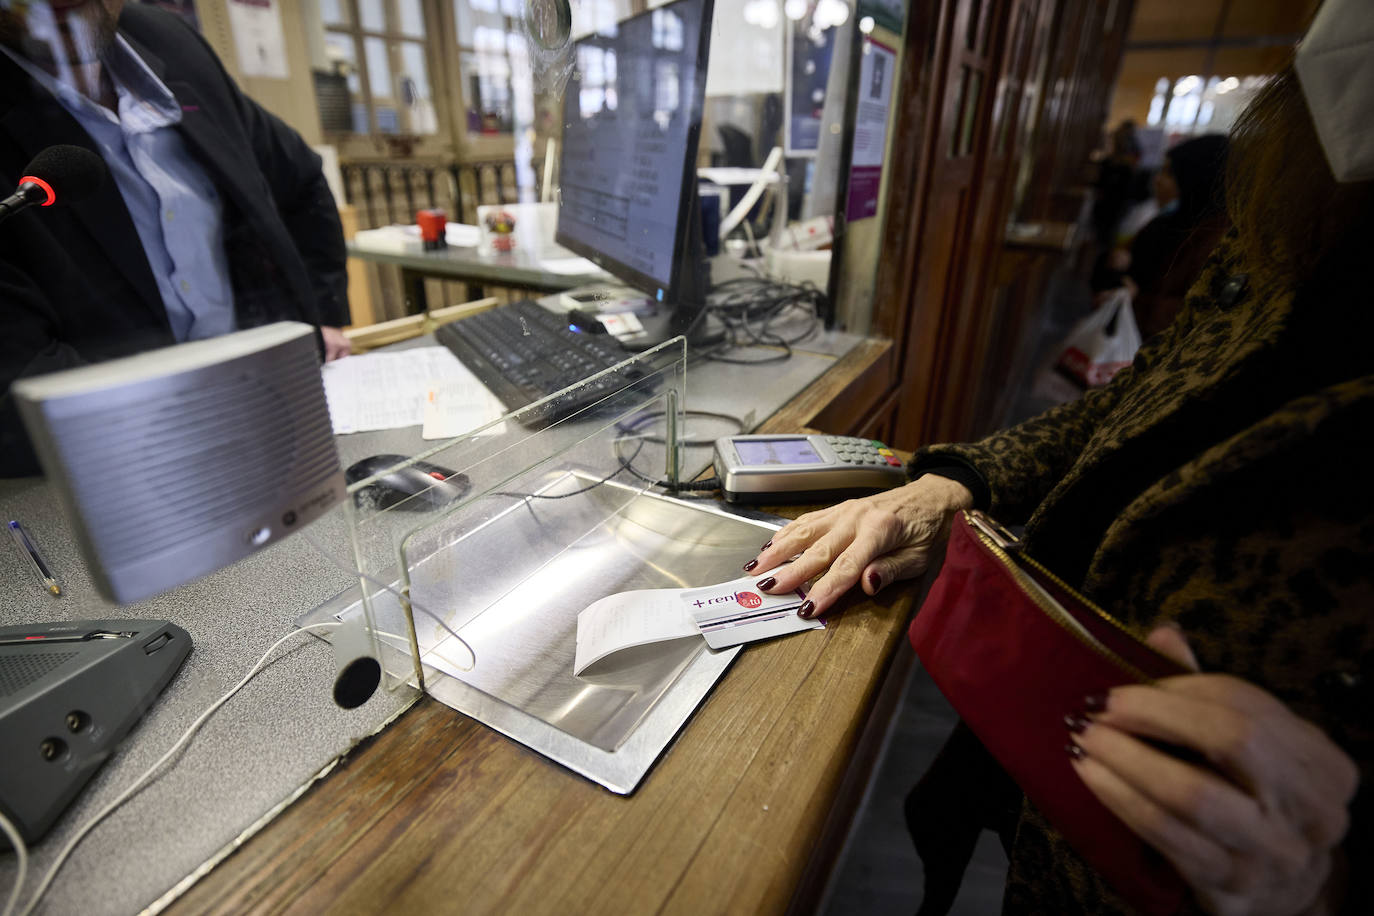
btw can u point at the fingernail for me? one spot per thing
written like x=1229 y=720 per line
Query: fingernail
x=768 y=583
x=749 y=567
x=1074 y=751
x=765 y=547
x=808 y=607
x=1095 y=702
x=875 y=580
x=1075 y=724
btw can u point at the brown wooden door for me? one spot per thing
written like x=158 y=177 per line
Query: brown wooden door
x=983 y=57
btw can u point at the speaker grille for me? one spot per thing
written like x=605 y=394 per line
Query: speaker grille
x=20 y=669
x=202 y=458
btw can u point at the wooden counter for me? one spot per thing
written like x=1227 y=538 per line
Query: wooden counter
x=441 y=814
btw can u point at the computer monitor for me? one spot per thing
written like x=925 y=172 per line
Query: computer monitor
x=627 y=166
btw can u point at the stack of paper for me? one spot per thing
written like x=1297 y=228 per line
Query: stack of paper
x=424 y=385
x=727 y=615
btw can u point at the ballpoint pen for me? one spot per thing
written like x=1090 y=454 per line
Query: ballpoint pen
x=35 y=559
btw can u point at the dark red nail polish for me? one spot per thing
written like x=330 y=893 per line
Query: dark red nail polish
x=1074 y=751
x=749 y=567
x=875 y=581
x=768 y=583
x=1095 y=702
x=765 y=547
x=1075 y=724
x=807 y=609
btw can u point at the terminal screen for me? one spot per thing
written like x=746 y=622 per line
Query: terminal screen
x=627 y=112
x=776 y=451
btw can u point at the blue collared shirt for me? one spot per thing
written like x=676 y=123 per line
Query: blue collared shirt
x=174 y=204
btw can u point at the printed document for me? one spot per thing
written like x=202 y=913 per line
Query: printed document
x=393 y=389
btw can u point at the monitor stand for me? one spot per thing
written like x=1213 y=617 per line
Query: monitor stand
x=689 y=316
x=664 y=324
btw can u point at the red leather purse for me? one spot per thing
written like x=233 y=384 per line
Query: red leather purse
x=1014 y=650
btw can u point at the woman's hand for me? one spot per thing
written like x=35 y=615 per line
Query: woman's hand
x=1257 y=830
x=877 y=540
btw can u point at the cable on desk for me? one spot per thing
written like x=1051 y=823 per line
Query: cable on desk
x=21 y=854
x=405 y=599
x=630 y=431
x=751 y=307
x=141 y=781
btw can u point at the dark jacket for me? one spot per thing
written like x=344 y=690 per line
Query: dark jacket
x=1219 y=483
x=75 y=285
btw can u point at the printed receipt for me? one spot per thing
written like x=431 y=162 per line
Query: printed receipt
x=726 y=615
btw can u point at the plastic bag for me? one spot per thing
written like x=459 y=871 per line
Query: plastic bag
x=1100 y=345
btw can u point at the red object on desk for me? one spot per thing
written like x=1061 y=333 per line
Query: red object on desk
x=432 y=224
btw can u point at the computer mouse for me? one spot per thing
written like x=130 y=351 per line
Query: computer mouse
x=432 y=486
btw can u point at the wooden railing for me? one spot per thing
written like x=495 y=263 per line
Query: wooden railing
x=390 y=192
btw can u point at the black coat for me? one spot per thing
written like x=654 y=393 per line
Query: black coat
x=75 y=285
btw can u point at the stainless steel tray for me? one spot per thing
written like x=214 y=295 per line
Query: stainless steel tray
x=512 y=588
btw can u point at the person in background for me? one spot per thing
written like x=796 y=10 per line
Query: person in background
x=1167 y=255
x=215 y=217
x=1116 y=174
x=1213 y=497
x=1109 y=272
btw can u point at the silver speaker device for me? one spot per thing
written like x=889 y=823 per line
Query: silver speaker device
x=177 y=462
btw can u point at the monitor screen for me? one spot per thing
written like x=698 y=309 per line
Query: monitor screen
x=631 y=116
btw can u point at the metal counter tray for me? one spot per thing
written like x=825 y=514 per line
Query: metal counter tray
x=512 y=588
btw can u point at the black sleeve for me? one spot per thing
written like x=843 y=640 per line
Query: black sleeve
x=956 y=469
x=307 y=207
x=301 y=194
x=28 y=346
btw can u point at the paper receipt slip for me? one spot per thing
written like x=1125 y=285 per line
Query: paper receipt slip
x=727 y=615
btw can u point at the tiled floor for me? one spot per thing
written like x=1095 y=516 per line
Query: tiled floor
x=878 y=871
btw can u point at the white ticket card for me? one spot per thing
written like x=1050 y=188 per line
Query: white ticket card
x=737 y=612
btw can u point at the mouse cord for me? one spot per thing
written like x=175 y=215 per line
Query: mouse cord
x=138 y=783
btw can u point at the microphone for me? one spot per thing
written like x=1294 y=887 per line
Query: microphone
x=62 y=173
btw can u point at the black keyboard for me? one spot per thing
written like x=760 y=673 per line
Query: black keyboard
x=523 y=352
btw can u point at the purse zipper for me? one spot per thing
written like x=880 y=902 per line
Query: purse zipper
x=998 y=540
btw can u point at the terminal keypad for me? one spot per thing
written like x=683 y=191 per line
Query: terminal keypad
x=853 y=450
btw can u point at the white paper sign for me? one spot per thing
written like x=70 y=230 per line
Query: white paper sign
x=256 y=25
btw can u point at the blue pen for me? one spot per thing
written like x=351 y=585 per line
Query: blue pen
x=35 y=559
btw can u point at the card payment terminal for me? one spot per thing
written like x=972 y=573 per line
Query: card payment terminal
x=764 y=468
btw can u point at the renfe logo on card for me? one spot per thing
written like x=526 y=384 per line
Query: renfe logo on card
x=748 y=599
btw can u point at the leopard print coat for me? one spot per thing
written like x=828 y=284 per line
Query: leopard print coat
x=1220 y=482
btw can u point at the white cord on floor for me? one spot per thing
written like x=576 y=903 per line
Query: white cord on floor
x=137 y=785
x=21 y=853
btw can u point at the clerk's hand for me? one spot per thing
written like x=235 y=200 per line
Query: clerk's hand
x=336 y=345
x=1258 y=830
x=875 y=540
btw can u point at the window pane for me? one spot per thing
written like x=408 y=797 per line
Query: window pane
x=412 y=17
x=416 y=94
x=334 y=12
x=970 y=118
x=388 y=120
x=378 y=68
x=413 y=65
x=373 y=15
